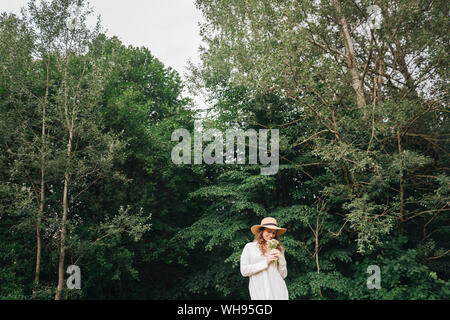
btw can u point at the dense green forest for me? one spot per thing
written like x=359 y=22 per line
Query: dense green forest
x=87 y=179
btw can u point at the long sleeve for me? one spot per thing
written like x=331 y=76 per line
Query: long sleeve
x=266 y=281
x=248 y=268
x=282 y=266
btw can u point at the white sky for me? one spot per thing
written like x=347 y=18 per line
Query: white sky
x=168 y=28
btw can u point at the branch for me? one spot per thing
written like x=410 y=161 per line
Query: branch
x=340 y=230
x=324 y=47
x=427 y=211
x=439 y=256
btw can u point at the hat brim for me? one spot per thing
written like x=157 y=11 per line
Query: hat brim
x=256 y=227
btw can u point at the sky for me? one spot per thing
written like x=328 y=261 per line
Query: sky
x=168 y=28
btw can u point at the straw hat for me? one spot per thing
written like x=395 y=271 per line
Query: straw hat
x=269 y=223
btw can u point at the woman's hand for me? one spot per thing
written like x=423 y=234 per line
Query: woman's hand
x=274 y=254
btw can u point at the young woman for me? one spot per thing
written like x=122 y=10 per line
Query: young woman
x=266 y=278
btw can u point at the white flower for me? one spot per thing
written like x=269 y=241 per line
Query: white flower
x=272 y=243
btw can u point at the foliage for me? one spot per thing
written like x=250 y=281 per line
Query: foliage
x=363 y=176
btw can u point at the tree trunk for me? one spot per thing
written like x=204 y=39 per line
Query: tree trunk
x=316 y=250
x=42 y=200
x=70 y=126
x=381 y=69
x=38 y=226
x=356 y=81
x=402 y=192
x=62 y=251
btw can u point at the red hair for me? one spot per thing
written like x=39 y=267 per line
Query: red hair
x=261 y=242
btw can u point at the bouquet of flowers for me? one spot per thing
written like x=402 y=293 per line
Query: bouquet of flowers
x=273 y=244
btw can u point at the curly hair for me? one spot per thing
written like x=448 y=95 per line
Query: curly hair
x=261 y=242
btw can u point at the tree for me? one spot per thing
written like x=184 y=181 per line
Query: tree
x=20 y=83
x=77 y=79
x=85 y=153
x=143 y=102
x=361 y=113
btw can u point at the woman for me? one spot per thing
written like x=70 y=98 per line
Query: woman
x=266 y=278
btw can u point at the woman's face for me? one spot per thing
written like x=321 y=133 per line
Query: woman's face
x=269 y=234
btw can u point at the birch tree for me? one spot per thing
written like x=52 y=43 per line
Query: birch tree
x=19 y=73
x=87 y=153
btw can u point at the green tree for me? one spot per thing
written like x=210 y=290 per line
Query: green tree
x=52 y=89
x=143 y=102
x=362 y=119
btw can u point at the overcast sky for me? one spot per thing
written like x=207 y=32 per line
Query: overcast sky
x=169 y=28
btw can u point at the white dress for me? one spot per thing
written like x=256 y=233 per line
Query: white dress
x=266 y=281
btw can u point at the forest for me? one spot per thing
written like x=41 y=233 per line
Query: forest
x=359 y=99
